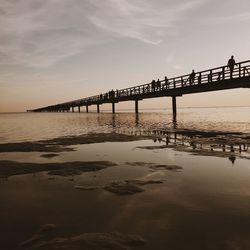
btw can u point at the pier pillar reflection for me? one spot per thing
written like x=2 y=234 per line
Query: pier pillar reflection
x=137 y=120
x=174 y=108
x=136 y=106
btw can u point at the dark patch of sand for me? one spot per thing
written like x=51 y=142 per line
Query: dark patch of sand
x=129 y=187
x=138 y=163
x=49 y=156
x=87 y=187
x=166 y=167
x=86 y=241
x=156 y=167
x=62 y=144
x=94 y=138
x=32 y=147
x=9 y=168
x=123 y=188
x=144 y=182
x=126 y=187
x=152 y=147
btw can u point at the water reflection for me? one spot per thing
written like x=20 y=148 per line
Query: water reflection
x=37 y=126
x=204 y=143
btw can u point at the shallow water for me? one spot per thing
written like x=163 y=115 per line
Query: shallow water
x=204 y=205
x=36 y=126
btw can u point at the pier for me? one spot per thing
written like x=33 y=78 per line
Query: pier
x=220 y=78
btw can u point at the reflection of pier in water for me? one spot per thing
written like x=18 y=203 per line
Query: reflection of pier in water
x=204 y=143
x=194 y=141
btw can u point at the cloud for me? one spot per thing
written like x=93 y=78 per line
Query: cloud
x=42 y=32
x=138 y=19
x=242 y=17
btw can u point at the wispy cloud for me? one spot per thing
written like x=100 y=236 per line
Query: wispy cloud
x=242 y=17
x=140 y=20
x=42 y=32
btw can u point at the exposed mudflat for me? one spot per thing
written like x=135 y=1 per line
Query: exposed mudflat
x=156 y=167
x=221 y=144
x=166 y=167
x=49 y=156
x=9 y=168
x=62 y=144
x=127 y=187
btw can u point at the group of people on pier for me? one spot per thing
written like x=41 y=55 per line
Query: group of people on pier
x=231 y=64
x=156 y=85
x=164 y=84
x=109 y=95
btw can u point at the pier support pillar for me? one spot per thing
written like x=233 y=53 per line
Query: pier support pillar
x=98 y=108
x=79 y=109
x=113 y=107
x=87 y=108
x=136 y=106
x=73 y=109
x=174 y=108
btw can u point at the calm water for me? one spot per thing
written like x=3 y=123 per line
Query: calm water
x=204 y=206
x=35 y=126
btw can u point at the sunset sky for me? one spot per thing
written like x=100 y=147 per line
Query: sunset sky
x=53 y=51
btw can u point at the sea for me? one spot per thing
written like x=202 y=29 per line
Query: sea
x=166 y=185
x=17 y=127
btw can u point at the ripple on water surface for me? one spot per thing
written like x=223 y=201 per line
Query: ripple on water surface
x=17 y=127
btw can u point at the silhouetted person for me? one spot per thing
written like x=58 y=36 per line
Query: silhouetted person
x=166 y=82
x=210 y=77
x=153 y=85
x=231 y=63
x=219 y=76
x=192 y=77
x=158 y=84
x=112 y=94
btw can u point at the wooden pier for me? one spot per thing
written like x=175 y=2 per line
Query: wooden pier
x=220 y=78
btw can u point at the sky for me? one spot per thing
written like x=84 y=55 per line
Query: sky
x=53 y=51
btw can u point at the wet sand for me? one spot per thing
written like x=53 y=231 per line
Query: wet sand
x=154 y=190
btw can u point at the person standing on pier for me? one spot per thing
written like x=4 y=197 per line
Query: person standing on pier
x=153 y=83
x=192 y=77
x=231 y=63
x=158 y=84
x=166 y=82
